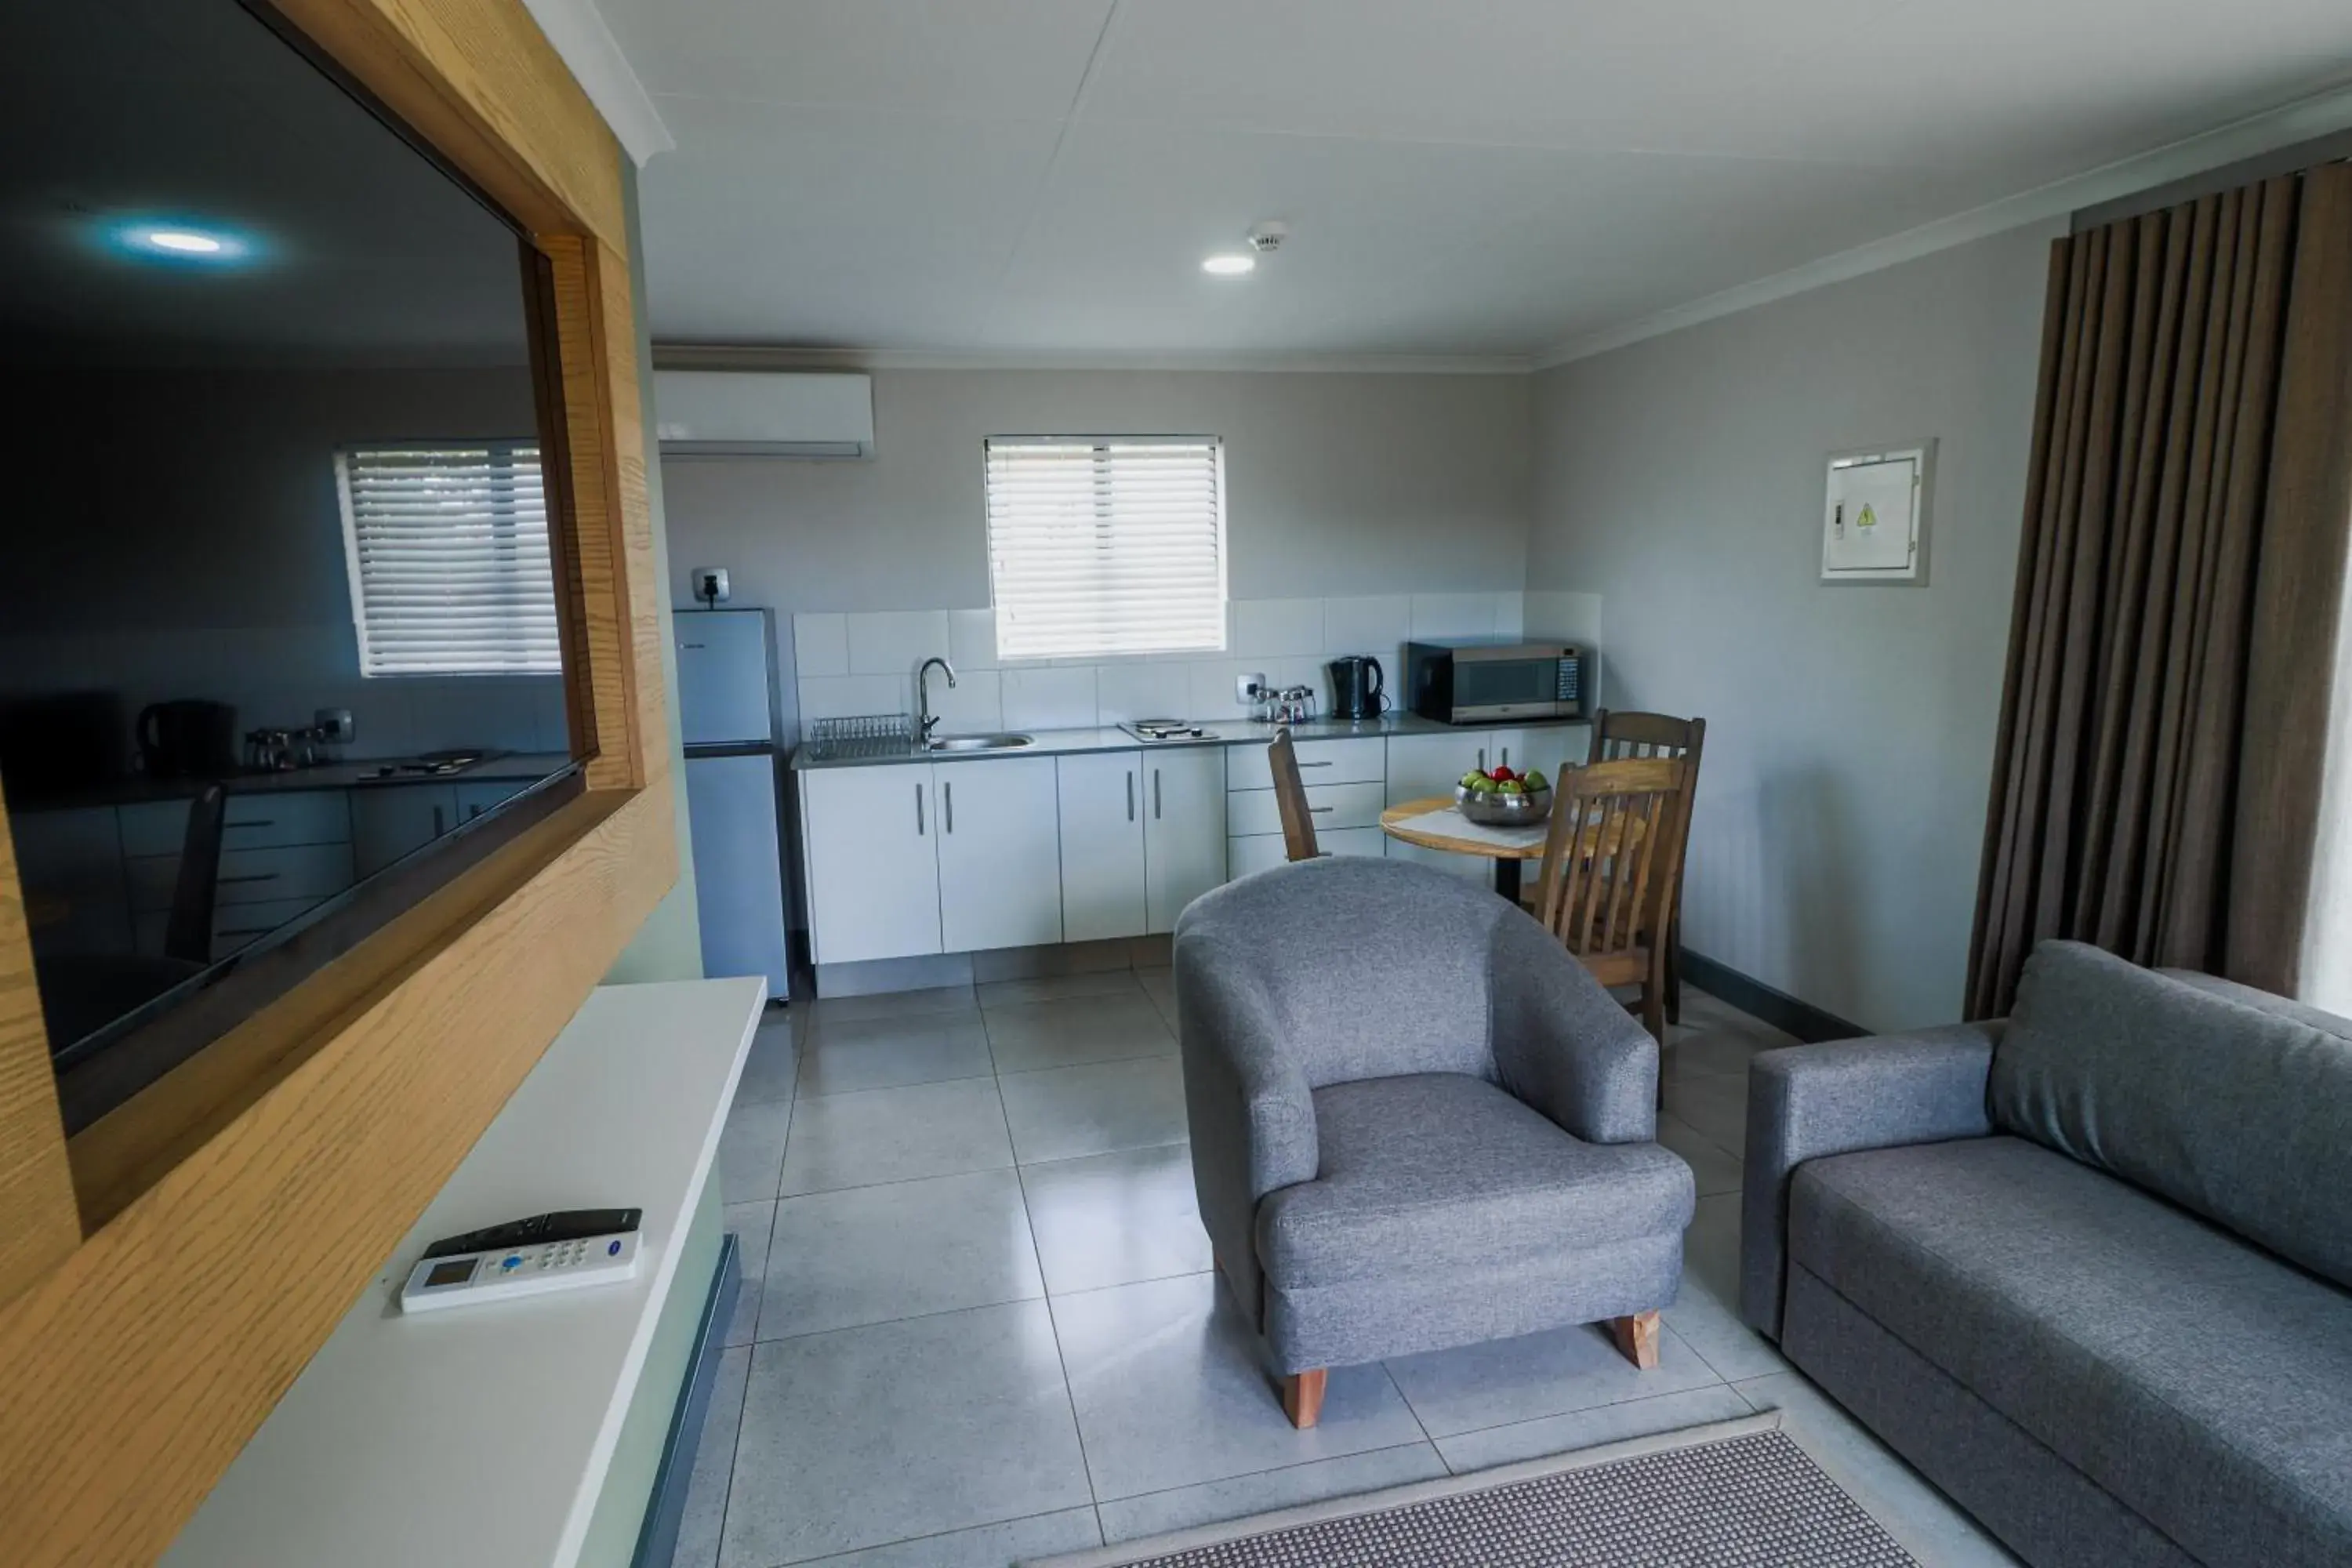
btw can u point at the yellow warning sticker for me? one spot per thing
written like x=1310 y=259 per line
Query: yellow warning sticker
x=1869 y=518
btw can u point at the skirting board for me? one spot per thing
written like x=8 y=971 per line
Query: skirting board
x=1777 y=1008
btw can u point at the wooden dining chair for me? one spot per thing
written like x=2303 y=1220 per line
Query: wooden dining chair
x=1617 y=736
x=1290 y=800
x=1610 y=860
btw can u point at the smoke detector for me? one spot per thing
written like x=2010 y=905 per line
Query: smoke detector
x=1267 y=238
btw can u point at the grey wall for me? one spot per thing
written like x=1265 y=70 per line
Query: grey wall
x=668 y=946
x=1850 y=730
x=1335 y=484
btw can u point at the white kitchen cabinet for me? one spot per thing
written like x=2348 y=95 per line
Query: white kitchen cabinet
x=1328 y=806
x=392 y=821
x=999 y=856
x=1259 y=851
x=1184 y=832
x=473 y=799
x=1102 y=838
x=869 y=847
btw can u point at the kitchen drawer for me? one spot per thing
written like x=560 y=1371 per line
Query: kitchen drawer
x=1260 y=851
x=236 y=925
x=247 y=876
x=278 y=818
x=1336 y=805
x=258 y=821
x=1356 y=759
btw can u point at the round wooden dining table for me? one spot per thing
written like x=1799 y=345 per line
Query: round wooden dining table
x=1499 y=845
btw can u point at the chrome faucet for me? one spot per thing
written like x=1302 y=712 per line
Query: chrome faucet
x=930 y=719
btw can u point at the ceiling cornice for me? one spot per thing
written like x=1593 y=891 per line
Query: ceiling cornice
x=751 y=356
x=577 y=31
x=2298 y=121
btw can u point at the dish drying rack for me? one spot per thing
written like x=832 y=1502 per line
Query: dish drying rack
x=863 y=735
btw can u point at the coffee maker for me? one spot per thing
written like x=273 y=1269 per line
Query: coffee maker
x=1357 y=687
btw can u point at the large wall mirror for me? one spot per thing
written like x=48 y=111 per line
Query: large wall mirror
x=284 y=610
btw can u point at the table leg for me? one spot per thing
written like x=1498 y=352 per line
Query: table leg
x=1506 y=878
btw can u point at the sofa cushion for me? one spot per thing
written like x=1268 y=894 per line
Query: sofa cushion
x=2204 y=1383
x=2241 y=1114
x=1440 y=1171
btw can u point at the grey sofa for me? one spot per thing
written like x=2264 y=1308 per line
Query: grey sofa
x=2085 y=1268
x=1416 y=1120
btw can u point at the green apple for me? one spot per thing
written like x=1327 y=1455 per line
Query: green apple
x=1534 y=780
x=1511 y=787
x=1482 y=784
x=1470 y=780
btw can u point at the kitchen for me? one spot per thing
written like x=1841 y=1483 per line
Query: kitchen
x=1361 y=512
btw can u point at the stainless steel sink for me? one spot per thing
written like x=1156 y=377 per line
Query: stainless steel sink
x=981 y=743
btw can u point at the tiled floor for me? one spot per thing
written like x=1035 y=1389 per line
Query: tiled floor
x=978 y=1322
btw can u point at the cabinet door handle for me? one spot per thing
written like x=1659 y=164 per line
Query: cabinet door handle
x=1507 y=756
x=1482 y=759
x=1155 y=795
x=1319 y=811
x=1130 y=794
x=439 y=827
x=919 y=811
x=250 y=876
x=1321 y=764
x=947 y=804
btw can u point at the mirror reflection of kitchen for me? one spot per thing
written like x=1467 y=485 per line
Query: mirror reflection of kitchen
x=276 y=601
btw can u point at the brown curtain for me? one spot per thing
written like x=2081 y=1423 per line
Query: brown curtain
x=2157 y=781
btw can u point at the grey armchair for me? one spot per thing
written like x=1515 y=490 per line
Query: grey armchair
x=1416 y=1121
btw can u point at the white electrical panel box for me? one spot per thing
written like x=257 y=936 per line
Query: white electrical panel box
x=1874 y=520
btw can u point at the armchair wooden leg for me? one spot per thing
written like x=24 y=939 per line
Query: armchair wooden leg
x=1302 y=1396
x=1637 y=1339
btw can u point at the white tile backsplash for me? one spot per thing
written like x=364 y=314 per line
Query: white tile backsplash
x=893 y=642
x=848 y=696
x=820 y=644
x=1452 y=616
x=1275 y=628
x=972 y=638
x=1142 y=689
x=974 y=705
x=1049 y=697
x=865 y=663
x=1374 y=623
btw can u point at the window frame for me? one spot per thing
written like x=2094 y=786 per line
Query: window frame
x=1099 y=441
x=496 y=447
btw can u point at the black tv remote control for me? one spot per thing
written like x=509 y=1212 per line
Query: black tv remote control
x=563 y=1225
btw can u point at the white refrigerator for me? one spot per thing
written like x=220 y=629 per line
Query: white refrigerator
x=725 y=664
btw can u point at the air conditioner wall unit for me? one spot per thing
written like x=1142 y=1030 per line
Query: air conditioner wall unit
x=763 y=414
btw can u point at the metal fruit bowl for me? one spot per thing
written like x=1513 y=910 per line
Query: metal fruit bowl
x=1504 y=810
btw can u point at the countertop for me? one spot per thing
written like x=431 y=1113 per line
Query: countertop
x=482 y=1435
x=1221 y=732
x=364 y=773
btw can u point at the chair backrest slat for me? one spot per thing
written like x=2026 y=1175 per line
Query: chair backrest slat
x=1290 y=800
x=1613 y=853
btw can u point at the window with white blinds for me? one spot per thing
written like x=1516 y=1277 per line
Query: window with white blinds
x=1107 y=545
x=449 y=563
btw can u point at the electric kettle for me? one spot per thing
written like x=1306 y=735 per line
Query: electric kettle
x=1357 y=687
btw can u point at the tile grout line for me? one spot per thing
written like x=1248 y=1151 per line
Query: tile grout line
x=1053 y=1323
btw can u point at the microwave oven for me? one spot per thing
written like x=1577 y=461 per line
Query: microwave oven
x=1491 y=682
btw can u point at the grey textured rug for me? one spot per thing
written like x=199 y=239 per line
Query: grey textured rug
x=1738 y=1494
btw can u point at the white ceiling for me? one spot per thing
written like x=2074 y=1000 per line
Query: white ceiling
x=1463 y=177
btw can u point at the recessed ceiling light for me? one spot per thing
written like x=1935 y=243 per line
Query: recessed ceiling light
x=181 y=240
x=1229 y=265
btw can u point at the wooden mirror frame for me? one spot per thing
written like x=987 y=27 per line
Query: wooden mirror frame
x=166 y=1272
